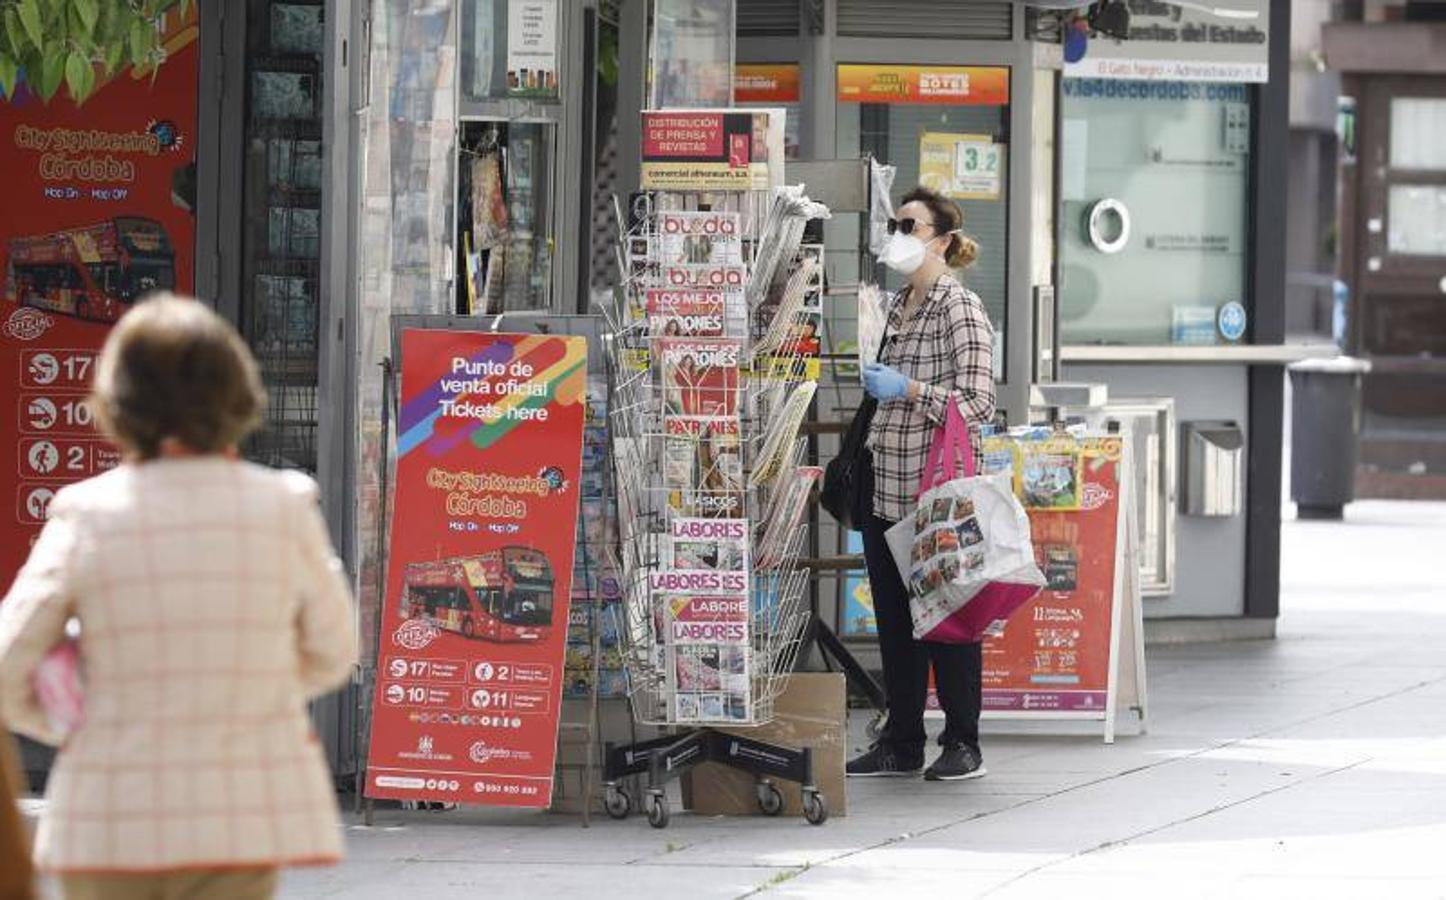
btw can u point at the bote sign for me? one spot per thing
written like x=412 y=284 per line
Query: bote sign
x=943 y=85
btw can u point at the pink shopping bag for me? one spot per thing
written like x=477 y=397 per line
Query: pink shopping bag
x=58 y=686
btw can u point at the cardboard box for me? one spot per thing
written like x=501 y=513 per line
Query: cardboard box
x=811 y=712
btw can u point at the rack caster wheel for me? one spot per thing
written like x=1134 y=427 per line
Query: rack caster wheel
x=618 y=802
x=770 y=798
x=815 y=807
x=658 y=810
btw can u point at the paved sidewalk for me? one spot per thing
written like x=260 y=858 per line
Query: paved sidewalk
x=1310 y=766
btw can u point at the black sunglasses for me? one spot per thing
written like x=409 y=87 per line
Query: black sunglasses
x=907 y=226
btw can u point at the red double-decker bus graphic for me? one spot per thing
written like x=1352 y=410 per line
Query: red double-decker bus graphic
x=505 y=595
x=94 y=272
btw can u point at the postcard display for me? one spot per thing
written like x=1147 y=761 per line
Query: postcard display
x=714 y=356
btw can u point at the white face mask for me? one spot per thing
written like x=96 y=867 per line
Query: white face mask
x=905 y=253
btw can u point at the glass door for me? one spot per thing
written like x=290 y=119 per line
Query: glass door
x=1402 y=230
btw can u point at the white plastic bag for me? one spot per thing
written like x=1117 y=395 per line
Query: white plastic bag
x=873 y=321
x=881 y=208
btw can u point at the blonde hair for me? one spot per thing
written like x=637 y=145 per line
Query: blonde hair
x=172 y=368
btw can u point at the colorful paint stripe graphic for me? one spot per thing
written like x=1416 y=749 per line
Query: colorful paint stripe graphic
x=564 y=373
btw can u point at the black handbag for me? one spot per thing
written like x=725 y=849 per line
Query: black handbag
x=848 y=480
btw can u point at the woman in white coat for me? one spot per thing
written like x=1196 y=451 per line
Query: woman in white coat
x=211 y=608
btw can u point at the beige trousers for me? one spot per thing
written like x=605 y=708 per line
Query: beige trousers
x=202 y=884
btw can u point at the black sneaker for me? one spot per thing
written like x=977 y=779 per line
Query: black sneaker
x=958 y=762
x=884 y=761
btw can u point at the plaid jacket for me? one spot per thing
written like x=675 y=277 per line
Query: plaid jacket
x=212 y=607
x=948 y=347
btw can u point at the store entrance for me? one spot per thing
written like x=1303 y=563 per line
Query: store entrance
x=1399 y=256
x=1402 y=226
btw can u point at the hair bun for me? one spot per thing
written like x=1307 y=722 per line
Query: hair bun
x=963 y=251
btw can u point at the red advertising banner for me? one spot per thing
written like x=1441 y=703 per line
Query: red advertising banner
x=479 y=576
x=99 y=209
x=1054 y=654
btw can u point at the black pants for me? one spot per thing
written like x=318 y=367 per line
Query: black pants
x=958 y=668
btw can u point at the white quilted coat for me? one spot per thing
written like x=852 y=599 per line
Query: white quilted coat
x=212 y=607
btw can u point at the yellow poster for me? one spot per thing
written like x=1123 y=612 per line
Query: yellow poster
x=961 y=166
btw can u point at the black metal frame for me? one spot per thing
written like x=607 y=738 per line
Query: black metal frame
x=830 y=645
x=666 y=759
x=1267 y=290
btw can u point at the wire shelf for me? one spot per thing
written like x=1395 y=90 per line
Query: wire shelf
x=710 y=629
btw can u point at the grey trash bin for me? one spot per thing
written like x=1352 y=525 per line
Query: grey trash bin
x=1325 y=434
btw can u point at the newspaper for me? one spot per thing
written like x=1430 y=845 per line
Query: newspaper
x=778 y=442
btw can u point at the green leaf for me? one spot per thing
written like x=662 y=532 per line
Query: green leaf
x=140 y=44
x=89 y=12
x=113 y=29
x=29 y=12
x=115 y=54
x=52 y=72
x=16 y=32
x=9 y=72
x=79 y=77
x=102 y=34
x=12 y=31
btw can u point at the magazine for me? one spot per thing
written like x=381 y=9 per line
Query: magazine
x=698 y=237
x=712 y=667
x=685 y=313
x=999 y=455
x=719 y=545
x=710 y=654
x=699 y=376
x=780 y=322
x=702 y=467
x=792 y=317
x=727 y=279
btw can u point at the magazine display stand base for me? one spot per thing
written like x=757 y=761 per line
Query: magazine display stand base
x=667 y=758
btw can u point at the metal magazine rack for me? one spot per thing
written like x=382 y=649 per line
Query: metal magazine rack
x=714 y=363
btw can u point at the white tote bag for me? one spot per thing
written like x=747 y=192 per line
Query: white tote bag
x=965 y=555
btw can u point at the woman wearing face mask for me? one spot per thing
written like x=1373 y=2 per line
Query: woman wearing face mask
x=939 y=350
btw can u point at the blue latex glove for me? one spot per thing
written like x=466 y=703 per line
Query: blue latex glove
x=885 y=382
